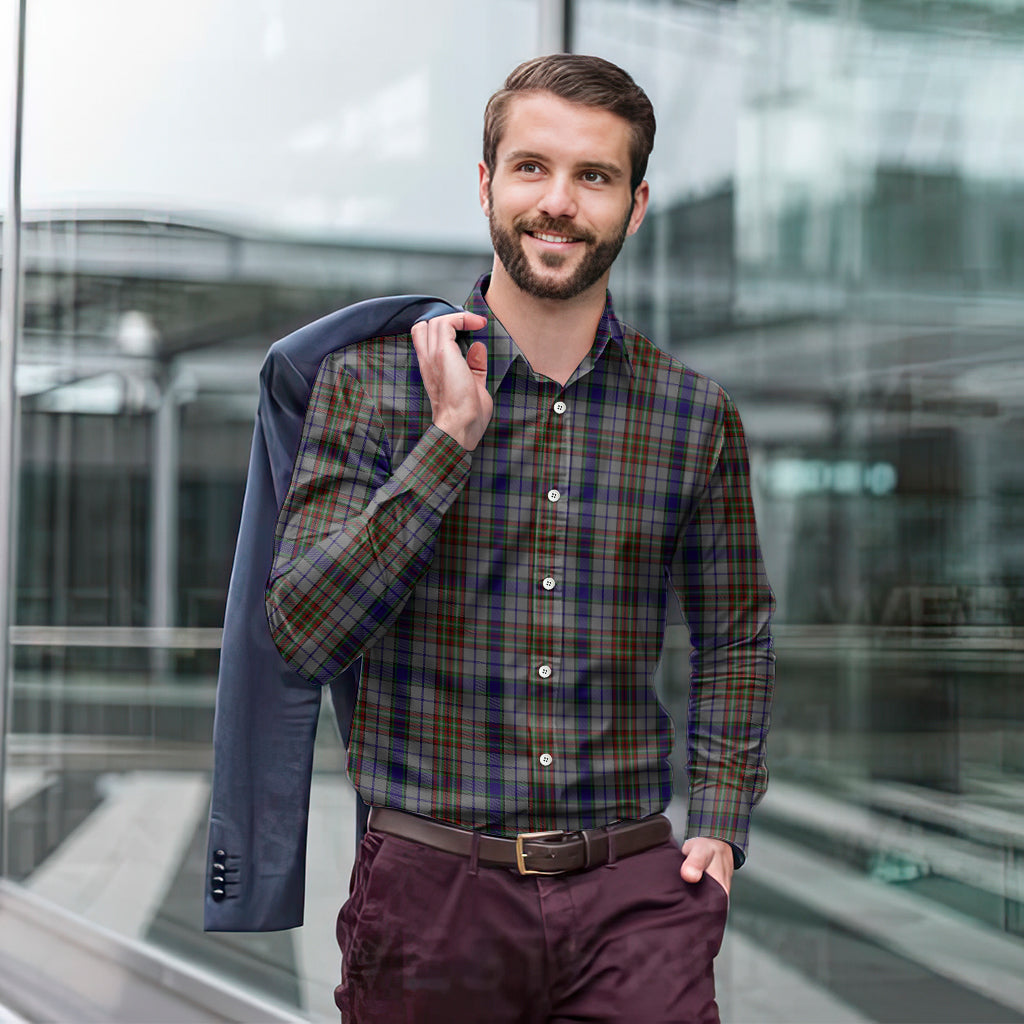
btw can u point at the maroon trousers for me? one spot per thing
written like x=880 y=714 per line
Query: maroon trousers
x=432 y=938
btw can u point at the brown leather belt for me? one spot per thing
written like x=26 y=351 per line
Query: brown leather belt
x=530 y=853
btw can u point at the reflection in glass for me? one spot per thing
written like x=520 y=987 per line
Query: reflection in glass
x=201 y=178
x=836 y=236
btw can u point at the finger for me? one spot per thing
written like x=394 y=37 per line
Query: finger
x=691 y=872
x=472 y=322
x=477 y=357
x=441 y=330
x=442 y=334
x=437 y=334
x=419 y=338
x=695 y=864
x=444 y=328
x=464 y=320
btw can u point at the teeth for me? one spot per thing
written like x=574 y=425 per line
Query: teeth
x=551 y=238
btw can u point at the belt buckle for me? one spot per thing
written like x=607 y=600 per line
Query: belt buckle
x=521 y=856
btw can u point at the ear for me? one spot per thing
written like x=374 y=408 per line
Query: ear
x=640 y=200
x=485 y=182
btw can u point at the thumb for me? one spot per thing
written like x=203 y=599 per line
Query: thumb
x=477 y=357
x=694 y=863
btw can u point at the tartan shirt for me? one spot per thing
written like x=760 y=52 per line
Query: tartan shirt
x=509 y=604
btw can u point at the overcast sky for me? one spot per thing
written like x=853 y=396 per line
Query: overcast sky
x=329 y=116
x=363 y=119
x=324 y=116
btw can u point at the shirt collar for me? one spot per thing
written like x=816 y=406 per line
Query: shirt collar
x=502 y=351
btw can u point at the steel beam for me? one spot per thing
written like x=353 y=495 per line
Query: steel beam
x=10 y=325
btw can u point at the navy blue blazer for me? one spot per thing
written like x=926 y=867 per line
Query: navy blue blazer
x=266 y=714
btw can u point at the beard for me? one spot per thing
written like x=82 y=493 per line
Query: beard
x=598 y=257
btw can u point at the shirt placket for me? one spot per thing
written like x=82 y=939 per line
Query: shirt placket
x=548 y=661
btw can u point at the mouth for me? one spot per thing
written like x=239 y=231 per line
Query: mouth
x=545 y=237
x=552 y=238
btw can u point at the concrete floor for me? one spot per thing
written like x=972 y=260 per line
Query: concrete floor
x=810 y=941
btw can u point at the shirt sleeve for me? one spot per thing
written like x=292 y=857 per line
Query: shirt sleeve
x=719 y=578
x=355 y=533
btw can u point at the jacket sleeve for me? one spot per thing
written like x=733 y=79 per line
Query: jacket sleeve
x=720 y=581
x=355 y=532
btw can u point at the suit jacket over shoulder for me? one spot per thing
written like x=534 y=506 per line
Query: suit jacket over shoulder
x=266 y=714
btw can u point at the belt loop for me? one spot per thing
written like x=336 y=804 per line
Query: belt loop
x=586 y=849
x=474 y=854
x=611 y=848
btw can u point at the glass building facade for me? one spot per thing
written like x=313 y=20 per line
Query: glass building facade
x=836 y=235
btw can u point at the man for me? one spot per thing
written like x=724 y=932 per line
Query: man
x=494 y=517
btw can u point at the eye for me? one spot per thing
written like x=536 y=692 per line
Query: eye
x=594 y=177
x=529 y=167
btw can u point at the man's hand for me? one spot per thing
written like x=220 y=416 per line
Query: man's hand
x=711 y=855
x=457 y=386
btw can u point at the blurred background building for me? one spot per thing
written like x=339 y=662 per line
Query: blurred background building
x=836 y=235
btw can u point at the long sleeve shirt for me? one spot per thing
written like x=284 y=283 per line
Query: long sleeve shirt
x=509 y=604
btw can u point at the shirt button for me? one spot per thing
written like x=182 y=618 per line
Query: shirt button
x=560 y=407
x=545 y=759
x=553 y=495
x=544 y=671
x=548 y=583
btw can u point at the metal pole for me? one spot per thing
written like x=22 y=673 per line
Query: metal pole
x=553 y=23
x=10 y=318
x=163 y=547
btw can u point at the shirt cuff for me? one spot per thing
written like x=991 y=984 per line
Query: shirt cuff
x=724 y=814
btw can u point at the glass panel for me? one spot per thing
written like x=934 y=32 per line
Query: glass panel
x=8 y=55
x=836 y=236
x=201 y=178
x=8 y=26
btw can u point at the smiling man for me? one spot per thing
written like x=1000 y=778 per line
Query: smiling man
x=495 y=515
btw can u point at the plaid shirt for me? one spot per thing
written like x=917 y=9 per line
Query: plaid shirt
x=509 y=604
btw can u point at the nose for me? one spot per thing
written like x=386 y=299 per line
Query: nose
x=559 y=199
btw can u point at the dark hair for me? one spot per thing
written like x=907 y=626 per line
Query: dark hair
x=591 y=81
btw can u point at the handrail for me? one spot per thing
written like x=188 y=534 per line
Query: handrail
x=167 y=637
x=792 y=638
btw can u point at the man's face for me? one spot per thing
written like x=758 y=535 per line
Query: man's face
x=559 y=203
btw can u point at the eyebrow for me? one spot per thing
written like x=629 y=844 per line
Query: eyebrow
x=613 y=171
